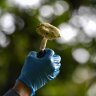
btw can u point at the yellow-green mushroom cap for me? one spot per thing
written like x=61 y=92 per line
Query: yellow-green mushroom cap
x=48 y=31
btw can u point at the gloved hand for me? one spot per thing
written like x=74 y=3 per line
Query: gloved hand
x=36 y=72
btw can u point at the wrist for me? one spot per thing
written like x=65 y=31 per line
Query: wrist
x=22 y=89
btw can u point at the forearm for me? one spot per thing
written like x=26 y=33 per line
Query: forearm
x=19 y=89
x=22 y=89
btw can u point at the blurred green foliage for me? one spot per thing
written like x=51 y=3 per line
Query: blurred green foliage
x=25 y=39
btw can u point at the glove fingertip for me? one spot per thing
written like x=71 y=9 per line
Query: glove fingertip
x=57 y=57
x=32 y=53
x=49 y=52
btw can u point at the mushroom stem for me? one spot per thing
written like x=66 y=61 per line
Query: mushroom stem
x=43 y=44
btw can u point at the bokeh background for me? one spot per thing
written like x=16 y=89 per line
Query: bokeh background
x=76 y=20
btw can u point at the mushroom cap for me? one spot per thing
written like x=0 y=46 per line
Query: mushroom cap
x=48 y=31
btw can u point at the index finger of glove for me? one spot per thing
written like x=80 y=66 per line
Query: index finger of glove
x=49 y=52
x=33 y=54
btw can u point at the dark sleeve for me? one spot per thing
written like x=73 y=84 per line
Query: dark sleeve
x=11 y=92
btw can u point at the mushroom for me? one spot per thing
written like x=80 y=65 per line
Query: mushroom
x=48 y=32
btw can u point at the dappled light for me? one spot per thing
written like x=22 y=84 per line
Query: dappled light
x=81 y=55
x=46 y=11
x=85 y=18
x=60 y=7
x=92 y=90
x=81 y=74
x=7 y=23
x=68 y=33
x=4 y=41
x=26 y=3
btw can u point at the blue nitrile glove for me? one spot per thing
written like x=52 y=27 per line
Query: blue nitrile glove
x=36 y=72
